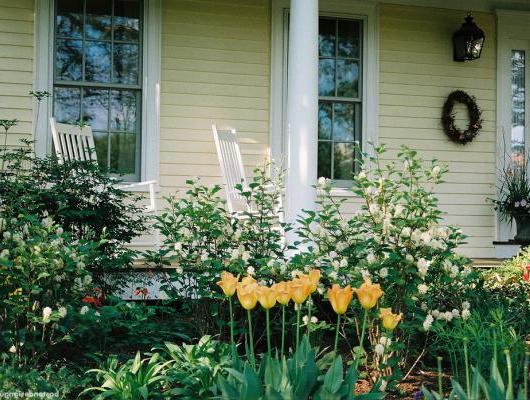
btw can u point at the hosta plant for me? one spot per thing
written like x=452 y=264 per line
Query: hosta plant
x=193 y=369
x=137 y=379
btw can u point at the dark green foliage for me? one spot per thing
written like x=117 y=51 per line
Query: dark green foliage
x=80 y=197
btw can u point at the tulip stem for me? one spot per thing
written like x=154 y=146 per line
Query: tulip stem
x=309 y=303
x=440 y=385
x=268 y=331
x=361 y=347
x=283 y=329
x=509 y=394
x=525 y=369
x=466 y=361
x=298 y=307
x=231 y=321
x=336 y=335
x=251 y=339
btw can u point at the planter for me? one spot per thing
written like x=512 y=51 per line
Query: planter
x=523 y=229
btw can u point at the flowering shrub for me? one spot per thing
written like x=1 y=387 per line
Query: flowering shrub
x=201 y=238
x=394 y=239
x=82 y=198
x=44 y=274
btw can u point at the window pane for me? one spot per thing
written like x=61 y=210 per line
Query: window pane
x=326 y=77
x=344 y=161
x=348 y=43
x=126 y=63
x=127 y=20
x=97 y=62
x=123 y=110
x=518 y=106
x=326 y=38
x=69 y=60
x=101 y=141
x=96 y=108
x=343 y=121
x=324 y=159
x=123 y=153
x=67 y=104
x=98 y=17
x=347 y=78
x=69 y=18
x=324 y=121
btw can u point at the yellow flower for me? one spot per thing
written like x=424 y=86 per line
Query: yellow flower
x=248 y=280
x=283 y=294
x=247 y=296
x=389 y=319
x=228 y=283
x=314 y=278
x=300 y=289
x=16 y=292
x=340 y=298
x=368 y=294
x=267 y=296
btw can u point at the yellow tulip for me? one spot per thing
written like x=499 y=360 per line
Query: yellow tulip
x=247 y=296
x=368 y=294
x=267 y=297
x=283 y=294
x=248 y=280
x=314 y=278
x=389 y=319
x=228 y=283
x=300 y=289
x=340 y=298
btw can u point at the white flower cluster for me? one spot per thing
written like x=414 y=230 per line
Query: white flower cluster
x=522 y=204
x=447 y=316
x=47 y=314
x=384 y=343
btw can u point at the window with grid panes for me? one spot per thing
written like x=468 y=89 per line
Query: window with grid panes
x=340 y=97
x=98 y=76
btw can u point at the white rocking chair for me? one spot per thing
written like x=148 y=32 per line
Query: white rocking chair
x=76 y=143
x=233 y=172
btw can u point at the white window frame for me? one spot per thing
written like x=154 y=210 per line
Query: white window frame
x=507 y=40
x=43 y=80
x=353 y=9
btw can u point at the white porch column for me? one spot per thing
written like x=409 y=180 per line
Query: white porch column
x=302 y=109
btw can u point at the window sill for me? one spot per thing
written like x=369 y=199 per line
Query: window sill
x=506 y=249
x=144 y=188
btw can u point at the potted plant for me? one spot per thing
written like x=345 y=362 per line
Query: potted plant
x=513 y=201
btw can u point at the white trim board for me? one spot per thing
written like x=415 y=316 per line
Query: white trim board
x=508 y=38
x=368 y=12
x=43 y=80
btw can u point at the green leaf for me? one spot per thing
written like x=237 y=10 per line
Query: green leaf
x=333 y=378
x=251 y=387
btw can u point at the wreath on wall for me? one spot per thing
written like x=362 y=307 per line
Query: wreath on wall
x=448 y=117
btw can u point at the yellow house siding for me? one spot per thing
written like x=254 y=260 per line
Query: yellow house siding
x=215 y=69
x=16 y=65
x=416 y=75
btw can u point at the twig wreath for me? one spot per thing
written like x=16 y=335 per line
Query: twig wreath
x=448 y=117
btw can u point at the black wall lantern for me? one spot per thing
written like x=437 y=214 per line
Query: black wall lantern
x=468 y=41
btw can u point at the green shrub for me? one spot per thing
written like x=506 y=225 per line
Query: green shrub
x=62 y=381
x=44 y=275
x=82 y=198
x=486 y=333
